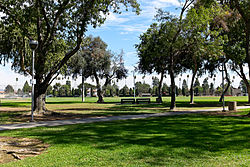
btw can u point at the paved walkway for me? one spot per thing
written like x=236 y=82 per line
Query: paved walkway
x=103 y=119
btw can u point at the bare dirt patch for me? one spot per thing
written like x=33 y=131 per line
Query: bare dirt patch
x=13 y=148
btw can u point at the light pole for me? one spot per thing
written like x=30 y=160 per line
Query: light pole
x=33 y=45
x=134 y=82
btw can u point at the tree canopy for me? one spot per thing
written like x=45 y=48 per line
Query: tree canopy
x=59 y=28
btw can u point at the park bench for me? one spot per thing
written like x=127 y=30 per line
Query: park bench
x=127 y=101
x=147 y=100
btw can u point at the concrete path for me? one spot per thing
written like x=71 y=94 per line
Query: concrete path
x=103 y=119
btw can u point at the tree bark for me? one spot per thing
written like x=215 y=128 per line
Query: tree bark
x=228 y=84
x=39 y=99
x=172 y=105
x=160 y=87
x=192 y=86
x=99 y=90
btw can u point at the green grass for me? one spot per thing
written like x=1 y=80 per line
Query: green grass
x=112 y=107
x=203 y=101
x=188 y=140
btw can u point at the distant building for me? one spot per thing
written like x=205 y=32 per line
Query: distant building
x=2 y=93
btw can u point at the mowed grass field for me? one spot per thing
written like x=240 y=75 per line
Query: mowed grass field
x=187 y=140
x=195 y=140
x=12 y=109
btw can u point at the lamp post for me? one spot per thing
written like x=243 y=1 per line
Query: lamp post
x=134 y=82
x=33 y=45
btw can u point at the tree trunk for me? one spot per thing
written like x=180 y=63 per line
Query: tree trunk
x=39 y=99
x=83 y=93
x=192 y=86
x=160 y=87
x=99 y=90
x=228 y=83
x=172 y=105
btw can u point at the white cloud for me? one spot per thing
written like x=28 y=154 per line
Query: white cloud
x=116 y=19
x=124 y=33
x=134 y=28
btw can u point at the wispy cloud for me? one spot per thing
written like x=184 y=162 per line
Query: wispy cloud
x=134 y=28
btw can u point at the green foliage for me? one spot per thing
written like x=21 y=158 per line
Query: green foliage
x=184 y=88
x=49 y=90
x=26 y=88
x=153 y=50
x=204 y=42
x=56 y=88
x=243 y=86
x=142 y=88
x=124 y=91
x=205 y=87
x=9 y=89
x=59 y=28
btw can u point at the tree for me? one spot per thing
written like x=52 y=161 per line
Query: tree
x=184 y=88
x=26 y=88
x=94 y=60
x=211 y=89
x=150 y=57
x=203 y=42
x=243 y=87
x=97 y=61
x=19 y=92
x=64 y=90
x=124 y=91
x=235 y=21
x=160 y=49
x=157 y=88
x=59 y=28
x=205 y=87
x=165 y=89
x=142 y=88
x=49 y=90
x=117 y=69
x=9 y=89
x=56 y=89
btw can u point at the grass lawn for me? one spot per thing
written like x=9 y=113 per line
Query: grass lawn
x=12 y=110
x=187 y=140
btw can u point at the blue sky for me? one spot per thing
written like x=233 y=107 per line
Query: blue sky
x=119 y=32
x=123 y=31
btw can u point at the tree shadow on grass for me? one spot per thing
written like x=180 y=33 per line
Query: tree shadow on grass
x=15 y=104
x=187 y=136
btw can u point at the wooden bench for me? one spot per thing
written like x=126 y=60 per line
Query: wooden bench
x=128 y=101
x=147 y=100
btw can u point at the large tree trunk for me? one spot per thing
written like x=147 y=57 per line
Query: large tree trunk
x=228 y=83
x=192 y=85
x=39 y=99
x=160 y=88
x=172 y=105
